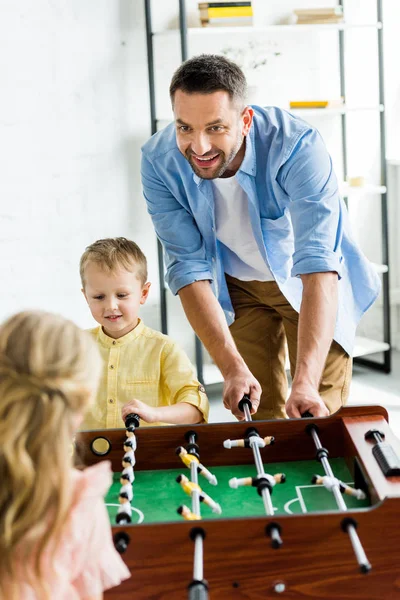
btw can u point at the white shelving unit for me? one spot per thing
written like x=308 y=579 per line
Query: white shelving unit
x=195 y=31
x=209 y=372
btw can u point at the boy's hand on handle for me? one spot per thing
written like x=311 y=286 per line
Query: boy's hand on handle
x=305 y=399
x=145 y=412
x=238 y=384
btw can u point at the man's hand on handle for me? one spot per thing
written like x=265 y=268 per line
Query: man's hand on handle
x=236 y=385
x=305 y=399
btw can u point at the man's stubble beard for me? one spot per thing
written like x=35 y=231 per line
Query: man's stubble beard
x=225 y=162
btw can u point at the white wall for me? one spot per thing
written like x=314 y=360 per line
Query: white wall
x=74 y=113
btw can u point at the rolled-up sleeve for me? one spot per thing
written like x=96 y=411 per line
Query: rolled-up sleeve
x=308 y=179
x=184 y=248
x=179 y=377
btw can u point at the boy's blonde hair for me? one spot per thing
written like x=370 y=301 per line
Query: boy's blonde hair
x=113 y=253
x=49 y=371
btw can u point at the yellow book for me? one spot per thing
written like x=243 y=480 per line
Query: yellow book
x=333 y=103
x=230 y=11
x=309 y=104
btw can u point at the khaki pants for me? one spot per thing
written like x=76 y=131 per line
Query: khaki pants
x=264 y=322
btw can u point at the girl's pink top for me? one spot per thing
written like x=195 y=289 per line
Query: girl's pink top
x=86 y=562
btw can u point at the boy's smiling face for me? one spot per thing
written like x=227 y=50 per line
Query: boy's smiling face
x=114 y=298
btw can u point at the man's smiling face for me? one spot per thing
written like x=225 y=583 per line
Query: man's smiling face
x=210 y=131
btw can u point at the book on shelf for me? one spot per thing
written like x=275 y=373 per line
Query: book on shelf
x=314 y=12
x=225 y=13
x=319 y=21
x=333 y=103
x=223 y=4
x=319 y=16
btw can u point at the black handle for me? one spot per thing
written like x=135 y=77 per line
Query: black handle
x=384 y=453
x=132 y=420
x=307 y=415
x=245 y=400
x=198 y=590
x=121 y=541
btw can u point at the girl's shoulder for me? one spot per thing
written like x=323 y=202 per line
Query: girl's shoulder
x=92 y=482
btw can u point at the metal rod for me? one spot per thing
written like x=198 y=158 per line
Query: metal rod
x=183 y=30
x=246 y=411
x=198 y=558
x=328 y=471
x=343 y=94
x=199 y=359
x=195 y=493
x=274 y=532
x=350 y=529
x=358 y=549
x=385 y=226
x=266 y=496
x=153 y=120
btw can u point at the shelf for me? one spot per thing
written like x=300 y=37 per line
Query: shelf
x=363 y=347
x=347 y=190
x=339 y=110
x=270 y=28
x=380 y=268
x=311 y=112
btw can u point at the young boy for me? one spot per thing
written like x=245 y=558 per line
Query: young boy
x=145 y=372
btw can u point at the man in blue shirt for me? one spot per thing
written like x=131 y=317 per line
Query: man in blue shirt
x=246 y=204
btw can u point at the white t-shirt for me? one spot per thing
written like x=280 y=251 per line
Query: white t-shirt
x=242 y=257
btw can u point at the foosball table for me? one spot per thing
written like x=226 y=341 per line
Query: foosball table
x=302 y=508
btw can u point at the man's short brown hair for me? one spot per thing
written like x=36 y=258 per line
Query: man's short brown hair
x=113 y=253
x=209 y=73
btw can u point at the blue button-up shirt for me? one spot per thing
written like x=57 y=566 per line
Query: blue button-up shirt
x=299 y=220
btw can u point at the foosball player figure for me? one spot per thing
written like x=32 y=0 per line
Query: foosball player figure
x=126 y=486
x=189 y=487
x=265 y=479
x=187 y=514
x=130 y=435
x=330 y=482
x=249 y=442
x=128 y=469
x=130 y=444
x=124 y=514
x=130 y=454
x=188 y=459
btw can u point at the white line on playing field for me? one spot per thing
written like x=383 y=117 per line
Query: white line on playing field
x=286 y=506
x=139 y=512
x=300 y=497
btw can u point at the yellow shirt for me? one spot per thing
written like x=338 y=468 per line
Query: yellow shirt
x=143 y=364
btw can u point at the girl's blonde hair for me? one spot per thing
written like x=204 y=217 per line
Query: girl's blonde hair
x=49 y=371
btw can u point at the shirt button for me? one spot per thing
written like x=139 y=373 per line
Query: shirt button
x=111 y=400
x=111 y=366
x=114 y=342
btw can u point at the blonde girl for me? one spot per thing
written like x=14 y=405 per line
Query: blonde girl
x=55 y=537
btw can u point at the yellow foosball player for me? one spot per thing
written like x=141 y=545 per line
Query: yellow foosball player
x=189 y=487
x=188 y=459
x=187 y=514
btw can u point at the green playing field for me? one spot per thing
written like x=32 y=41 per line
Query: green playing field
x=157 y=495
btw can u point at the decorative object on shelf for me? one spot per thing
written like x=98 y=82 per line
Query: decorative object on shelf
x=252 y=58
x=333 y=103
x=226 y=14
x=356 y=180
x=319 y=16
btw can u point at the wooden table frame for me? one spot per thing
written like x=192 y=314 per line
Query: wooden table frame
x=316 y=559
